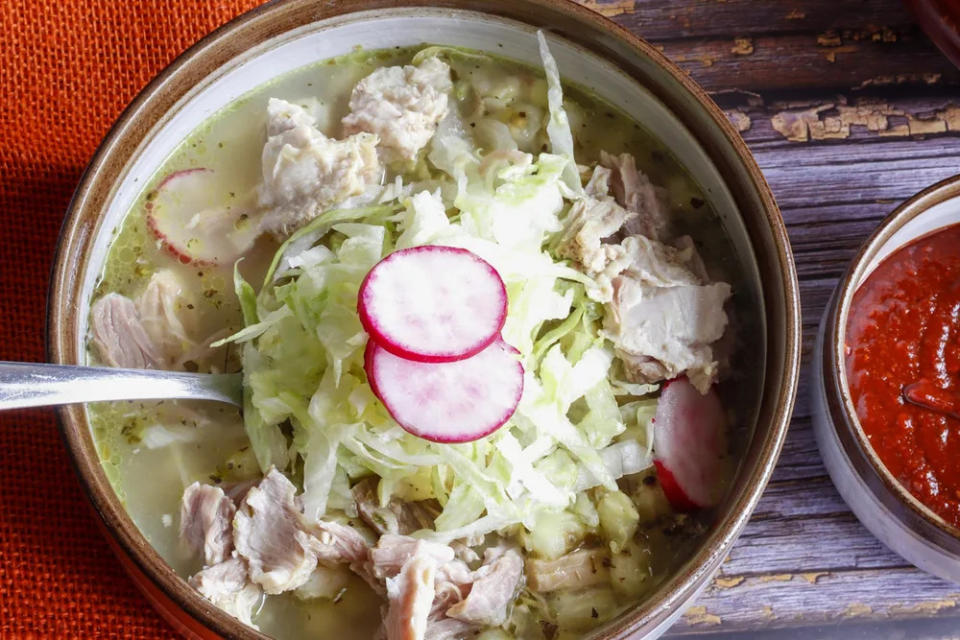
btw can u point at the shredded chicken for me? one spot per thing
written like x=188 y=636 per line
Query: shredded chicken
x=226 y=585
x=590 y=221
x=575 y=570
x=280 y=546
x=305 y=172
x=662 y=314
x=276 y=548
x=598 y=186
x=160 y=306
x=401 y=105
x=453 y=584
x=339 y=544
x=634 y=191
x=663 y=319
x=397 y=516
x=393 y=551
x=661 y=265
x=449 y=629
x=431 y=593
x=492 y=592
x=410 y=596
x=119 y=337
x=206 y=522
x=148 y=332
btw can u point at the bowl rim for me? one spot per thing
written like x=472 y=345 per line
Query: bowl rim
x=563 y=17
x=840 y=406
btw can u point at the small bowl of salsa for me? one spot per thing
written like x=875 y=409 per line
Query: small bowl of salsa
x=886 y=392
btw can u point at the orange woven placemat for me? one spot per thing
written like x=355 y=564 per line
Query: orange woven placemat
x=67 y=69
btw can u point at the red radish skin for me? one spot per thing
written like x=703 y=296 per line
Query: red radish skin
x=449 y=402
x=689 y=443
x=678 y=499
x=368 y=367
x=433 y=303
x=182 y=258
x=183 y=212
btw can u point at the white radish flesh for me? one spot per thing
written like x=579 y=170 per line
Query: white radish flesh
x=433 y=303
x=187 y=214
x=449 y=401
x=689 y=443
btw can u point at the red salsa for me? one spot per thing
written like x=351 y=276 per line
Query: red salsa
x=903 y=366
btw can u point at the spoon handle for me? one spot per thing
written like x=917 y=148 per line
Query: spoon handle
x=28 y=384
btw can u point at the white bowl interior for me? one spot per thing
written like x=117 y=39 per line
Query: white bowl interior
x=406 y=27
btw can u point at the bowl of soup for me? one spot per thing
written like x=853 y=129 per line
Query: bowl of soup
x=886 y=412
x=515 y=310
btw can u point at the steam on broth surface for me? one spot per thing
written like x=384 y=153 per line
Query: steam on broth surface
x=583 y=562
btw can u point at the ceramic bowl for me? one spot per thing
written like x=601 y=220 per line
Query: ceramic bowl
x=592 y=52
x=881 y=503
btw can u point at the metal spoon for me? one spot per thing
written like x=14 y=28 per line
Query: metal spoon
x=27 y=384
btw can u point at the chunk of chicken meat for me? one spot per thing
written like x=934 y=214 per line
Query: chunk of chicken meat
x=276 y=548
x=161 y=306
x=119 y=337
x=634 y=191
x=401 y=105
x=596 y=220
x=393 y=551
x=663 y=320
x=492 y=591
x=305 y=172
x=226 y=585
x=449 y=629
x=148 y=332
x=339 y=543
x=280 y=547
x=206 y=522
x=410 y=597
x=590 y=221
x=397 y=516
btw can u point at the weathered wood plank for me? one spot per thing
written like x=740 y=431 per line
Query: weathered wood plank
x=874 y=115
x=775 y=45
x=818 y=175
x=801 y=61
x=669 y=19
x=791 y=599
x=848 y=628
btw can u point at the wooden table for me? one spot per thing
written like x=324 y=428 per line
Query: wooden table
x=849 y=110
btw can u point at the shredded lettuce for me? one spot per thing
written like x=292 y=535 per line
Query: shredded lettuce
x=558 y=126
x=308 y=403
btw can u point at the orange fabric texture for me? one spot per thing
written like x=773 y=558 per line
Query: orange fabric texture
x=67 y=69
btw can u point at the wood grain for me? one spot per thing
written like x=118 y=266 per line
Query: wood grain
x=849 y=110
x=800 y=44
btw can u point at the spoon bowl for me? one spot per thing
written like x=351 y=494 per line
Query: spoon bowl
x=36 y=384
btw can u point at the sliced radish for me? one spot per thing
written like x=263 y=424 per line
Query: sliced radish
x=449 y=401
x=187 y=214
x=689 y=444
x=433 y=303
